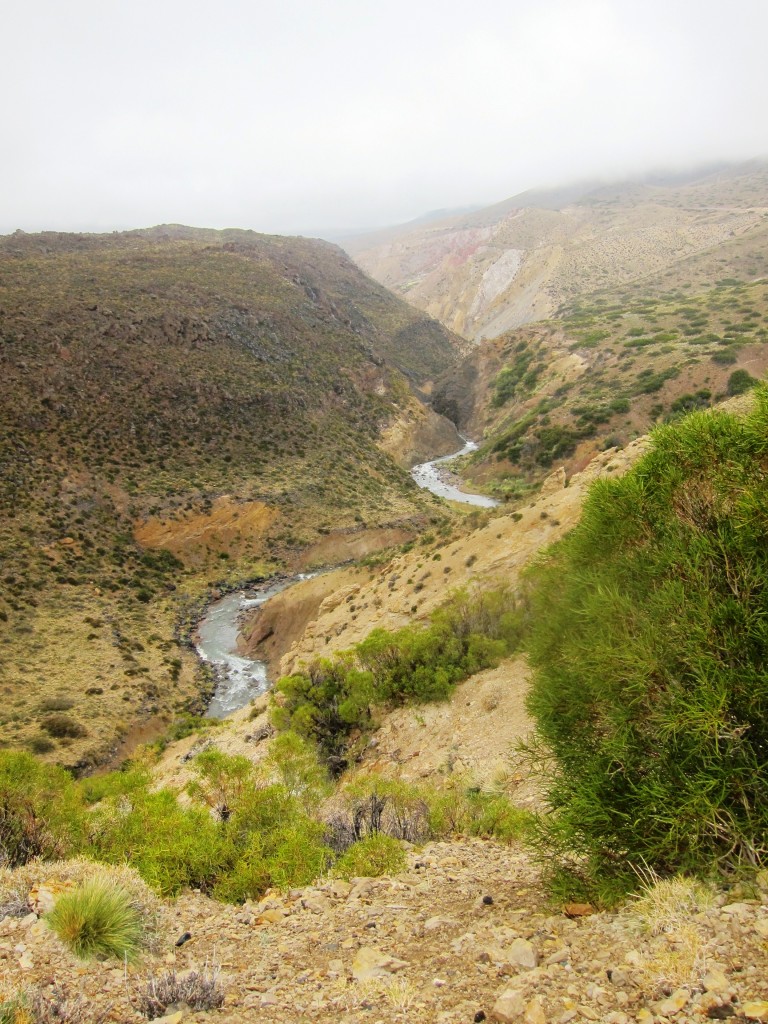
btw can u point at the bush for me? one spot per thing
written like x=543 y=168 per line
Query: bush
x=62 y=726
x=375 y=855
x=332 y=700
x=169 y=845
x=97 y=920
x=740 y=381
x=41 y=812
x=199 y=990
x=649 y=641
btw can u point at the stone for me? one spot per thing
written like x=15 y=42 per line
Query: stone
x=170 y=1018
x=272 y=916
x=373 y=963
x=761 y=927
x=436 y=923
x=560 y=956
x=26 y=963
x=523 y=953
x=755 y=1009
x=578 y=909
x=534 y=1012
x=674 y=1003
x=714 y=981
x=509 y=1007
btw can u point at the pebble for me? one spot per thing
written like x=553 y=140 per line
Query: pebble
x=509 y=1006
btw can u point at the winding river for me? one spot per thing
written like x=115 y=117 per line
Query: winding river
x=241 y=679
x=436 y=478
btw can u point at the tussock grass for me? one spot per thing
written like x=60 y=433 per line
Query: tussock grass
x=667 y=904
x=98 y=920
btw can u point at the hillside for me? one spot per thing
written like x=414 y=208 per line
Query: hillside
x=601 y=374
x=181 y=408
x=488 y=271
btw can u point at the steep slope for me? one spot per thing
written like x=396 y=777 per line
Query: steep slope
x=486 y=272
x=178 y=408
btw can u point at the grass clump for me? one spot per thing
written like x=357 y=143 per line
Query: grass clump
x=649 y=642
x=98 y=920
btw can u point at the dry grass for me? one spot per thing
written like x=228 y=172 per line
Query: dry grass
x=668 y=909
x=666 y=905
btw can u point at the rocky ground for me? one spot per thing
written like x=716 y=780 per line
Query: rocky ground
x=463 y=934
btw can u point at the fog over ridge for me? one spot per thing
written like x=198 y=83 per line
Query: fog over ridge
x=305 y=117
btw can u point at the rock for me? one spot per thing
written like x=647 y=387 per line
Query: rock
x=761 y=927
x=560 y=956
x=534 y=1012
x=578 y=909
x=523 y=954
x=184 y=937
x=674 y=1003
x=553 y=483
x=373 y=963
x=737 y=909
x=273 y=916
x=436 y=923
x=755 y=1009
x=714 y=981
x=171 y=1018
x=509 y=1007
x=26 y=963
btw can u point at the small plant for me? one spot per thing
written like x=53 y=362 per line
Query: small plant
x=370 y=857
x=667 y=904
x=98 y=919
x=51 y=1007
x=199 y=990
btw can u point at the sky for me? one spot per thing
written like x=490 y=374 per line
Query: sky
x=343 y=115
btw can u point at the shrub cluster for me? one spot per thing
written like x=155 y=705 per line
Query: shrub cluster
x=331 y=701
x=649 y=639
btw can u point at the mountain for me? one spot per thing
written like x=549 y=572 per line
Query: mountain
x=485 y=272
x=181 y=409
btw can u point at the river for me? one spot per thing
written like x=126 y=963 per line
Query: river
x=436 y=478
x=241 y=679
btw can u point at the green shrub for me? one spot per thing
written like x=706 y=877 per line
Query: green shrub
x=740 y=381
x=41 y=812
x=331 y=701
x=464 y=810
x=169 y=845
x=649 y=642
x=97 y=920
x=377 y=854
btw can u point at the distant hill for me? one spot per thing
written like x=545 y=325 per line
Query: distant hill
x=490 y=270
x=178 y=407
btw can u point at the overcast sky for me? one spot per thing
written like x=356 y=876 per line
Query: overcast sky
x=294 y=115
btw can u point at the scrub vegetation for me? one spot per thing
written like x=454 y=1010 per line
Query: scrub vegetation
x=179 y=410
x=649 y=641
